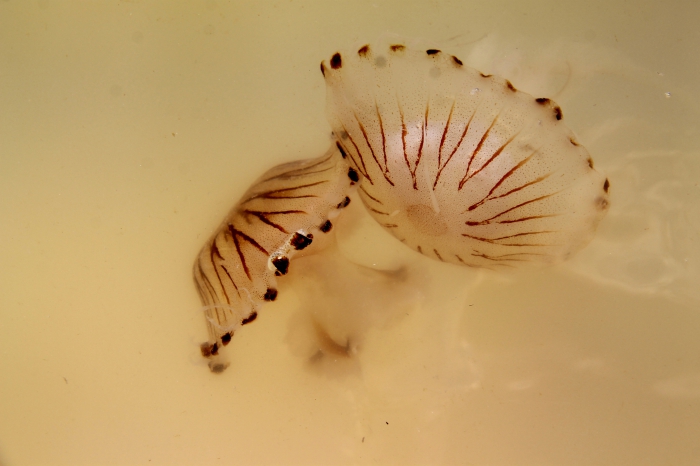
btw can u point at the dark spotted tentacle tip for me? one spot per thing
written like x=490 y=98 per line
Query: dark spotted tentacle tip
x=432 y=51
x=485 y=75
x=510 y=86
x=606 y=185
x=344 y=203
x=326 y=227
x=457 y=61
x=270 y=294
x=574 y=142
x=336 y=61
x=226 y=338
x=397 y=47
x=300 y=241
x=352 y=174
x=364 y=50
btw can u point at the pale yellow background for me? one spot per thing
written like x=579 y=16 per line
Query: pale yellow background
x=128 y=129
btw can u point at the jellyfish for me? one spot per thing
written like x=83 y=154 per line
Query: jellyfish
x=289 y=209
x=459 y=166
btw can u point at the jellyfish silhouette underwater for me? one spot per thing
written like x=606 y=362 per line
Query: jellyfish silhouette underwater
x=458 y=165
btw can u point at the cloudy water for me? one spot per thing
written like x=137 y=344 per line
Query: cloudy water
x=129 y=129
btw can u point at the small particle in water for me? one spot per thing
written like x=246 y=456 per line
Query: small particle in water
x=667 y=94
x=475 y=91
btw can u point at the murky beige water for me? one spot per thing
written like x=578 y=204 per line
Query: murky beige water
x=128 y=130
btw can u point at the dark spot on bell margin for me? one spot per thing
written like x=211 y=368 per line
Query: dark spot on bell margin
x=336 y=61
x=457 y=60
x=250 y=318
x=557 y=110
x=209 y=350
x=326 y=227
x=270 y=294
x=300 y=241
x=397 y=47
x=485 y=75
x=281 y=263
x=432 y=51
x=363 y=51
x=606 y=185
x=352 y=174
x=574 y=142
x=206 y=349
x=323 y=69
x=590 y=162
x=344 y=203
x=226 y=338
x=557 y=113
x=340 y=148
x=510 y=86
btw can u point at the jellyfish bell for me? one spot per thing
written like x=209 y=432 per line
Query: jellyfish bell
x=286 y=212
x=458 y=165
